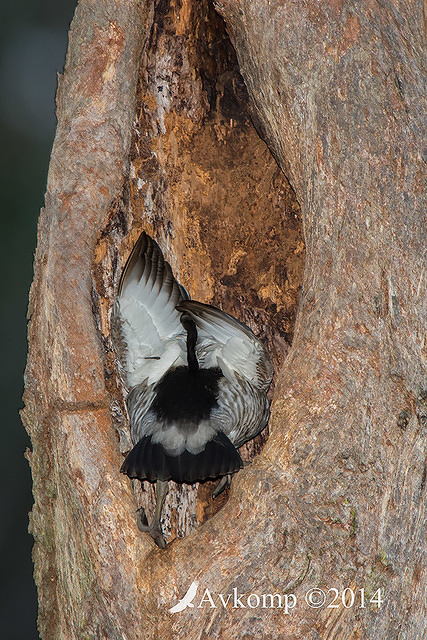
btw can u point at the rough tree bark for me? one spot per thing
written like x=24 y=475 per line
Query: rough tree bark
x=154 y=132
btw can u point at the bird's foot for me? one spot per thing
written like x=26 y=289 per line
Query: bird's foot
x=224 y=482
x=154 y=528
x=141 y=519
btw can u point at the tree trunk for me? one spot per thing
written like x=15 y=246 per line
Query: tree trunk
x=155 y=131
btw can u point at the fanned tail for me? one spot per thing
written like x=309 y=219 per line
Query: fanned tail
x=149 y=461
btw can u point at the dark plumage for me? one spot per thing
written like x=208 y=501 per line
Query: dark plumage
x=198 y=379
x=149 y=460
x=187 y=395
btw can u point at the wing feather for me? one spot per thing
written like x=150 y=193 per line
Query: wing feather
x=225 y=342
x=148 y=335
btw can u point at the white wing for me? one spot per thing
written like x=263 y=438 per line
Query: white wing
x=148 y=335
x=226 y=343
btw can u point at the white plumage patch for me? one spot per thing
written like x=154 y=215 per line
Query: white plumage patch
x=149 y=323
x=149 y=355
x=174 y=439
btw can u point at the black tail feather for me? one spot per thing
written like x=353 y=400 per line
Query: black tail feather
x=149 y=461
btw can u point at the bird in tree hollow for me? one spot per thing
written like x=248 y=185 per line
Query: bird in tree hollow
x=197 y=379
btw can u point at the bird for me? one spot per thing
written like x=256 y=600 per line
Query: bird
x=187 y=600
x=197 y=381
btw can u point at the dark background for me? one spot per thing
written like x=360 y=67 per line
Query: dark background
x=33 y=42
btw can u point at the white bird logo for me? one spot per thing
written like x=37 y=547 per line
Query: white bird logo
x=187 y=599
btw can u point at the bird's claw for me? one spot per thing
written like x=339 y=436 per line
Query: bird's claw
x=141 y=519
x=154 y=529
x=158 y=538
x=224 y=482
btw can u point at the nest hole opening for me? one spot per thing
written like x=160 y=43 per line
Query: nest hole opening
x=204 y=183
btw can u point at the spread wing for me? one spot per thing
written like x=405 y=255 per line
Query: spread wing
x=147 y=332
x=225 y=342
